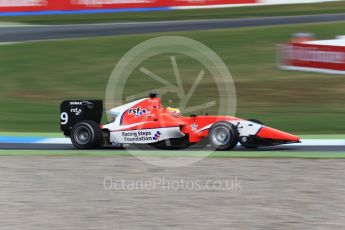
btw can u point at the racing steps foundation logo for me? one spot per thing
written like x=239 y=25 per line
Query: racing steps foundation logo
x=157 y=135
x=137 y=136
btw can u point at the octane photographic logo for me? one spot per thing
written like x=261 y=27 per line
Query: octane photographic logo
x=165 y=65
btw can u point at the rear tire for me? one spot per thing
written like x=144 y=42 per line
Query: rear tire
x=223 y=136
x=86 y=135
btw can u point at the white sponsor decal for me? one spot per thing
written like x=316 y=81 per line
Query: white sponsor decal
x=76 y=103
x=15 y=3
x=244 y=128
x=76 y=111
x=194 y=127
x=138 y=111
x=64 y=118
x=139 y=136
x=312 y=55
x=108 y=2
x=247 y=128
x=145 y=135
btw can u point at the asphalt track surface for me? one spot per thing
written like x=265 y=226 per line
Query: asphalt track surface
x=30 y=33
x=41 y=193
x=16 y=146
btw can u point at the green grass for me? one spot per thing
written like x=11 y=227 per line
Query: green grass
x=238 y=12
x=36 y=76
x=230 y=154
x=324 y=136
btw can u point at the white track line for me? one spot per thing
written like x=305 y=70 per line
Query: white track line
x=14 y=24
x=54 y=141
x=320 y=142
x=8 y=43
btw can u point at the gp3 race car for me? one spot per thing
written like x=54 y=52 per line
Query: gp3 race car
x=146 y=121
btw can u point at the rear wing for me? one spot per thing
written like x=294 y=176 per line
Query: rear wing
x=74 y=111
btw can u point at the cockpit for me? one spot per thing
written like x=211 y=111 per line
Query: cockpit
x=175 y=112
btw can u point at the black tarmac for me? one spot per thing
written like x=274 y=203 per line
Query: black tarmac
x=31 y=33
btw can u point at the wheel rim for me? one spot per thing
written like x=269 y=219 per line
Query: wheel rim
x=82 y=135
x=221 y=136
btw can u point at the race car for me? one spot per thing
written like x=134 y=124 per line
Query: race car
x=146 y=121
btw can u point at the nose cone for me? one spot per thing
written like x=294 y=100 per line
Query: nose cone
x=270 y=133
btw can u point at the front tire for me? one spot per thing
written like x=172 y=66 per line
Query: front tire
x=223 y=136
x=86 y=135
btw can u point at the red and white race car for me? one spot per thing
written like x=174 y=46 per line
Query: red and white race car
x=146 y=121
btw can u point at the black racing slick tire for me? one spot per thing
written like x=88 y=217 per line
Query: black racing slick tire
x=223 y=136
x=86 y=135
